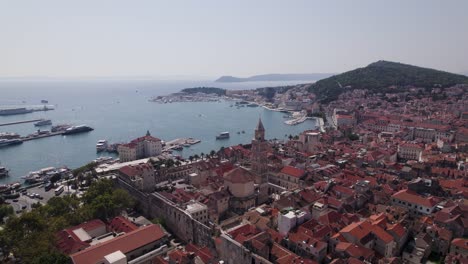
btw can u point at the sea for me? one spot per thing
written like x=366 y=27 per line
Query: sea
x=119 y=111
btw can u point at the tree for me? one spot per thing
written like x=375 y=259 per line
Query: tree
x=202 y=155
x=190 y=158
x=5 y=210
x=196 y=157
x=212 y=153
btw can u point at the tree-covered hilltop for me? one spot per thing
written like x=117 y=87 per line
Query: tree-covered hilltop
x=379 y=76
x=206 y=90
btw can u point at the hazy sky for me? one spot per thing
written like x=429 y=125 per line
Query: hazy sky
x=58 y=38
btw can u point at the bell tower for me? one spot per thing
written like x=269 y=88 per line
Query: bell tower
x=259 y=152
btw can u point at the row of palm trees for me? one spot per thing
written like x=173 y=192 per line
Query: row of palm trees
x=202 y=156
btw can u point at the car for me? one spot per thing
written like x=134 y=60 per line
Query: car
x=18 y=211
x=40 y=197
x=15 y=200
x=24 y=207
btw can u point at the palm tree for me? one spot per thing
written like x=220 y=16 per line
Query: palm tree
x=196 y=157
x=202 y=155
x=212 y=153
x=190 y=158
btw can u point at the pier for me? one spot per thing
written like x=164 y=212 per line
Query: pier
x=51 y=134
x=20 y=122
x=179 y=143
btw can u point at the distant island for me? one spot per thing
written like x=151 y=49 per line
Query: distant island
x=384 y=76
x=276 y=77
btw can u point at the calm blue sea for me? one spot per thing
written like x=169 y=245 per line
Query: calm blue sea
x=120 y=111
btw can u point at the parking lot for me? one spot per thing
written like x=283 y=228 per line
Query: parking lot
x=24 y=202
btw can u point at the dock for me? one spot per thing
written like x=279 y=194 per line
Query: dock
x=51 y=134
x=179 y=143
x=20 y=122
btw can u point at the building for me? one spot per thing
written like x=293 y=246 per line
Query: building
x=459 y=246
x=240 y=183
x=415 y=203
x=409 y=151
x=78 y=238
x=198 y=211
x=138 y=246
x=142 y=147
x=141 y=176
x=289 y=177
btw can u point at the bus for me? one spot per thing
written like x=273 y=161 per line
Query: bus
x=59 y=190
x=48 y=186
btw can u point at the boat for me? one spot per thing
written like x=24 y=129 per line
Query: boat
x=187 y=145
x=4 y=172
x=243 y=132
x=223 y=135
x=178 y=148
x=77 y=129
x=101 y=145
x=44 y=102
x=7 y=135
x=252 y=105
x=43 y=122
x=15 y=111
x=60 y=127
x=238 y=132
x=8 y=142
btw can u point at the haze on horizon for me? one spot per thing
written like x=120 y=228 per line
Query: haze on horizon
x=114 y=38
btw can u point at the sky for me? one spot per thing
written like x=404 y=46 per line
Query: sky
x=114 y=38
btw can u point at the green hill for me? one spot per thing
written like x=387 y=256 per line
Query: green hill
x=206 y=90
x=379 y=76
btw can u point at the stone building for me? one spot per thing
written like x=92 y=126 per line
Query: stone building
x=142 y=147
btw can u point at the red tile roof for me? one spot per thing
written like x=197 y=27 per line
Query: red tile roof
x=239 y=175
x=122 y=224
x=293 y=171
x=412 y=197
x=125 y=243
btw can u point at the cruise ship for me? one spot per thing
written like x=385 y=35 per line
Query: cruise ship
x=15 y=111
x=43 y=122
x=8 y=142
x=77 y=129
x=223 y=135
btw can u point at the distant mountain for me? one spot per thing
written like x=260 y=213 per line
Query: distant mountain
x=381 y=75
x=276 y=77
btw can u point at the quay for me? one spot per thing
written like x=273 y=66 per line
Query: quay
x=178 y=143
x=20 y=122
x=51 y=134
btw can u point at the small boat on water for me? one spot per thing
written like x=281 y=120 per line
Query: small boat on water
x=4 y=172
x=44 y=101
x=223 y=135
x=9 y=135
x=43 y=122
x=243 y=132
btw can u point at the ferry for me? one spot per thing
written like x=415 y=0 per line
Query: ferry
x=223 y=135
x=77 y=129
x=101 y=145
x=60 y=127
x=43 y=122
x=4 y=172
x=8 y=142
